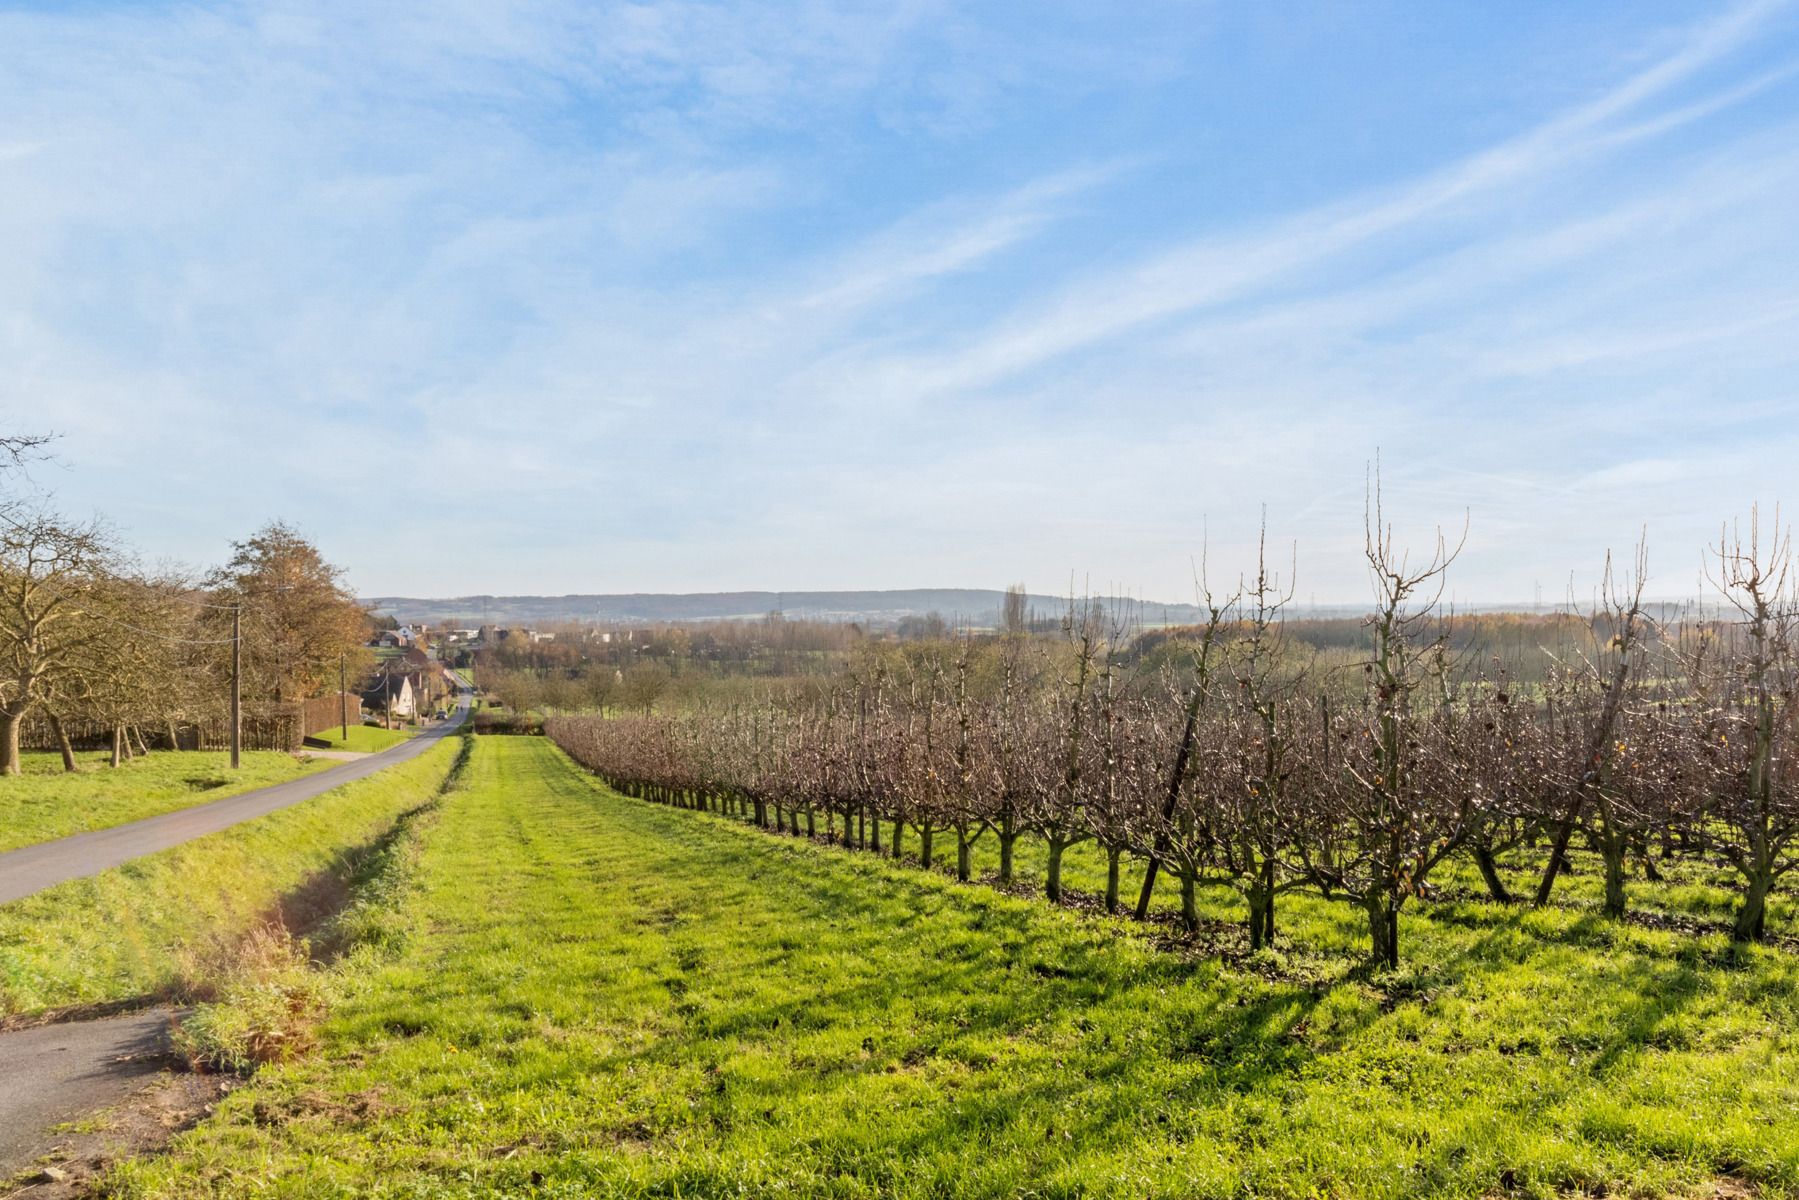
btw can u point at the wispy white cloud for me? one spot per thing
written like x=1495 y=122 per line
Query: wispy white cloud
x=1219 y=269
x=703 y=295
x=951 y=237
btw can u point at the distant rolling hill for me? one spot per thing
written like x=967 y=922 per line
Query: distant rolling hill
x=976 y=606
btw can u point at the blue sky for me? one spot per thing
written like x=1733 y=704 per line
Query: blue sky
x=547 y=297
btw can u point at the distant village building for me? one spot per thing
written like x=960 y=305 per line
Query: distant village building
x=392 y=695
x=402 y=638
x=406 y=687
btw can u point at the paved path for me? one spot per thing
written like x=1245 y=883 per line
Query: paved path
x=35 y=868
x=56 y=1073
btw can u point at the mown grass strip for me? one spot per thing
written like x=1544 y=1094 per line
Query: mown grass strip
x=612 y=998
x=156 y=925
x=267 y=1003
x=47 y=802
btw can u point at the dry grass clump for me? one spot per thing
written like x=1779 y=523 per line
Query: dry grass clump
x=266 y=1009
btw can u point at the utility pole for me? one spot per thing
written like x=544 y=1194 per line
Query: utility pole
x=237 y=696
x=343 y=696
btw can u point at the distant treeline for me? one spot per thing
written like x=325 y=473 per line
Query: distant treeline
x=955 y=606
x=676 y=666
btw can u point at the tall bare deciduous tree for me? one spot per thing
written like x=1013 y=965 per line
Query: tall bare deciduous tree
x=1014 y=615
x=52 y=576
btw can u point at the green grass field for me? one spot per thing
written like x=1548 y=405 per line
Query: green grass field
x=605 y=997
x=365 y=739
x=157 y=925
x=48 y=802
x=1695 y=893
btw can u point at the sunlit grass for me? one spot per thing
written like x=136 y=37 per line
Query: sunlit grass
x=48 y=802
x=1701 y=892
x=608 y=997
x=364 y=739
x=154 y=924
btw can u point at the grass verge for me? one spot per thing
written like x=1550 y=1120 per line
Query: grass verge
x=47 y=803
x=610 y=998
x=364 y=739
x=267 y=1004
x=162 y=925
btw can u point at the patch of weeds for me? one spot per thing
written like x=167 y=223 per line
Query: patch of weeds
x=267 y=1008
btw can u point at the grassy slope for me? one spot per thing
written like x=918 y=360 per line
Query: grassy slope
x=47 y=802
x=615 y=998
x=363 y=738
x=150 y=925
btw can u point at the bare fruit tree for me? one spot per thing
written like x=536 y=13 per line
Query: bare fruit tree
x=1398 y=828
x=1757 y=802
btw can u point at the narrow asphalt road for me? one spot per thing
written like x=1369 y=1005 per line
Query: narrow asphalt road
x=56 y=1073
x=35 y=868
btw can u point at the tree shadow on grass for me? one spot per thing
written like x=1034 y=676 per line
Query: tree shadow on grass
x=977 y=1014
